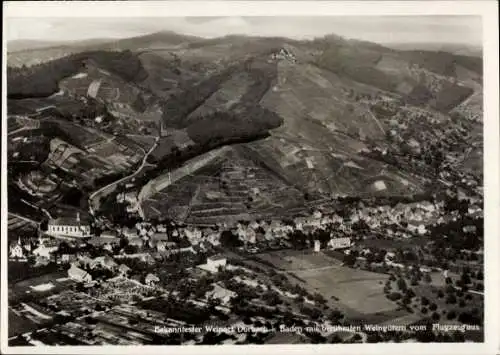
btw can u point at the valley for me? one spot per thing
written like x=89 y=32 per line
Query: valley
x=243 y=180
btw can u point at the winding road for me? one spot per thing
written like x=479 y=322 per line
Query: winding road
x=95 y=196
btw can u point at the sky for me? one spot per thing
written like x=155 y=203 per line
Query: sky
x=380 y=29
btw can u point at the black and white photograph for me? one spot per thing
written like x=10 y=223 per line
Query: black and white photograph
x=187 y=179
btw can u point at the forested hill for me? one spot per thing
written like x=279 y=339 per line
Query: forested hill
x=42 y=80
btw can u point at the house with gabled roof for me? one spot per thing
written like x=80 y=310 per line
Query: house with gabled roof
x=79 y=275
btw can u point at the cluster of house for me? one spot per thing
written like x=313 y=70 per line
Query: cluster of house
x=255 y=232
x=160 y=238
x=42 y=249
x=411 y=218
x=283 y=54
x=82 y=262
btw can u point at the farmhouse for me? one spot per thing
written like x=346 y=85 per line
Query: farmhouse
x=213 y=263
x=78 y=274
x=68 y=227
x=221 y=293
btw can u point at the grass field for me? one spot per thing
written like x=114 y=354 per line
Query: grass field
x=358 y=290
x=21 y=287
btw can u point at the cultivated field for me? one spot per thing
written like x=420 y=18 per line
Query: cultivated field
x=81 y=136
x=232 y=186
x=359 y=290
x=145 y=142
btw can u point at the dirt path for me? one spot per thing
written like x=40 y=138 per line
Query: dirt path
x=94 y=197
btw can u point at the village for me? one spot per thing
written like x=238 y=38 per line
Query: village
x=214 y=266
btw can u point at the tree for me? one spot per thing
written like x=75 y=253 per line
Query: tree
x=394 y=296
x=335 y=316
x=130 y=249
x=424 y=301
x=465 y=278
x=435 y=316
x=451 y=299
x=229 y=240
x=402 y=284
x=427 y=278
x=406 y=300
x=349 y=259
x=451 y=315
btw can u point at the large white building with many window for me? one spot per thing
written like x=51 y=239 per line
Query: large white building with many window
x=339 y=243
x=68 y=227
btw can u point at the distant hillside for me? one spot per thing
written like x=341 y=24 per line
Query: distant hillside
x=153 y=41
x=328 y=116
x=459 y=49
x=43 y=80
x=30 y=45
x=28 y=52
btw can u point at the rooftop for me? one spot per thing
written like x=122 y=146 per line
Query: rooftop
x=217 y=257
x=66 y=221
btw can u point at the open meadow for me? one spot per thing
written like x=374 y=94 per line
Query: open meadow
x=358 y=290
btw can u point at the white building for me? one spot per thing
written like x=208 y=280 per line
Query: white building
x=151 y=280
x=216 y=261
x=339 y=243
x=220 y=293
x=123 y=270
x=45 y=250
x=317 y=246
x=77 y=274
x=105 y=262
x=213 y=263
x=68 y=227
x=17 y=250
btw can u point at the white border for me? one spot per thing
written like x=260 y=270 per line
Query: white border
x=489 y=12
